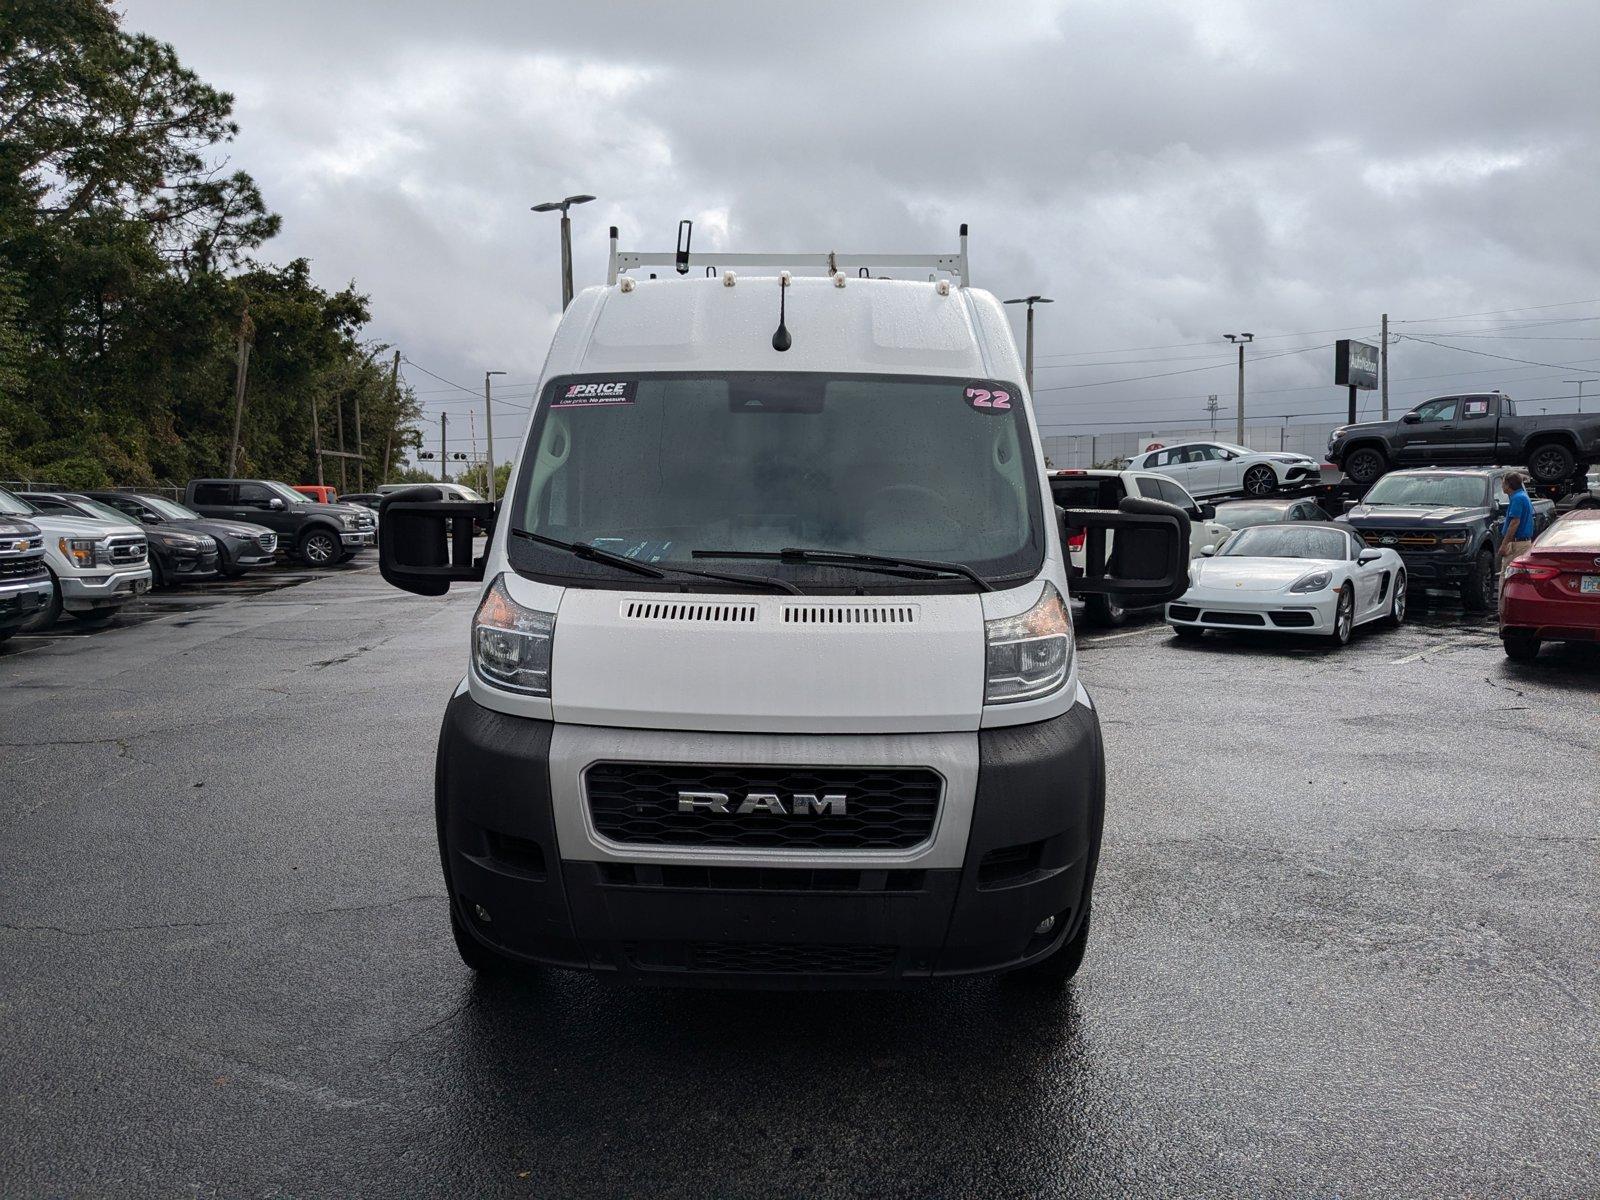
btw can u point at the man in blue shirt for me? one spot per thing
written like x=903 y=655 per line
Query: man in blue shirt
x=1516 y=535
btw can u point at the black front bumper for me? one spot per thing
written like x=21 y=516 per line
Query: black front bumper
x=1031 y=854
x=1431 y=568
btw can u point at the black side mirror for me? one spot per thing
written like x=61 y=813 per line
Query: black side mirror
x=1411 y=418
x=1208 y=512
x=1149 y=560
x=425 y=540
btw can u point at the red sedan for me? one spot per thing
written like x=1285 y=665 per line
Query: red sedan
x=1552 y=592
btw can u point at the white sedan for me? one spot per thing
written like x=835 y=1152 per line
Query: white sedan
x=1317 y=579
x=1223 y=469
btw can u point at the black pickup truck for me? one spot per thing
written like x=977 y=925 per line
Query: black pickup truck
x=1476 y=429
x=321 y=535
x=1445 y=524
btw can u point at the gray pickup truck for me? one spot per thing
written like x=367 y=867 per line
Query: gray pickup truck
x=1475 y=429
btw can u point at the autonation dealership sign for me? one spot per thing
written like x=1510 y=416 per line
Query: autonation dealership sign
x=1355 y=364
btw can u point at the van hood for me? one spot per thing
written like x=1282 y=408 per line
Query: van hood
x=767 y=663
x=62 y=525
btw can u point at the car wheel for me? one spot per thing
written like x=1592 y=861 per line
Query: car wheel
x=1260 y=480
x=1103 y=610
x=319 y=548
x=50 y=613
x=1478 y=591
x=475 y=954
x=1188 y=633
x=225 y=565
x=1397 y=605
x=1365 y=465
x=1520 y=647
x=158 y=577
x=1344 y=618
x=1063 y=963
x=1550 y=464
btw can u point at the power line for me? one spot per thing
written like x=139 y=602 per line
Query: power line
x=1506 y=358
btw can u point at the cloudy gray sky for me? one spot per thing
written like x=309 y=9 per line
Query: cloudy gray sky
x=1167 y=171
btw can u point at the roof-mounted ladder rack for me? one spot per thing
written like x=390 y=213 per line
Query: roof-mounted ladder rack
x=871 y=266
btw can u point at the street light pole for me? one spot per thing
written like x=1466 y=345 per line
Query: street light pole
x=1030 y=301
x=1241 y=340
x=1580 y=383
x=562 y=206
x=488 y=427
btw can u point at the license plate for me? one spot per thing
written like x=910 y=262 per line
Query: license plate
x=1590 y=584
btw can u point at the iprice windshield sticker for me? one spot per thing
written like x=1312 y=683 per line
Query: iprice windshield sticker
x=989 y=397
x=587 y=395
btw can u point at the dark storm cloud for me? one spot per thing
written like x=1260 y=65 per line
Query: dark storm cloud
x=1168 y=171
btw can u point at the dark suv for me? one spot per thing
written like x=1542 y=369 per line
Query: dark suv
x=1445 y=524
x=320 y=534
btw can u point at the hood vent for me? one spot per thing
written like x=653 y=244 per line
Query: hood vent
x=854 y=614
x=665 y=610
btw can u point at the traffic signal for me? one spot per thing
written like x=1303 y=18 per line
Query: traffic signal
x=428 y=454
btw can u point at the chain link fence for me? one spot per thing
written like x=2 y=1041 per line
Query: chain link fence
x=1083 y=450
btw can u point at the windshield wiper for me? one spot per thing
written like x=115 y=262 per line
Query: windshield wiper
x=594 y=554
x=845 y=558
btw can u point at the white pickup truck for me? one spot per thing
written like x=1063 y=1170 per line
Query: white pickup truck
x=95 y=566
x=1102 y=488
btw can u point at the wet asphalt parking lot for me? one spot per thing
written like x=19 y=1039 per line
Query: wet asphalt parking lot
x=1345 y=943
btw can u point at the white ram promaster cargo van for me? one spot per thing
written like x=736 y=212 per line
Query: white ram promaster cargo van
x=772 y=678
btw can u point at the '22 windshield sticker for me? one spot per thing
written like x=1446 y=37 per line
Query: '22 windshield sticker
x=988 y=397
x=586 y=395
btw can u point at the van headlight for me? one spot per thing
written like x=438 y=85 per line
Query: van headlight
x=511 y=644
x=1028 y=654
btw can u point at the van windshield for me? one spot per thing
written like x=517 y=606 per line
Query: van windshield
x=655 y=467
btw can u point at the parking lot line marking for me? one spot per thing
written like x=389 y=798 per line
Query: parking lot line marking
x=1112 y=637
x=1442 y=646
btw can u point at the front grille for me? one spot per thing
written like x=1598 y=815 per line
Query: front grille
x=765 y=958
x=1289 y=619
x=886 y=808
x=22 y=568
x=1407 y=539
x=854 y=614
x=268 y=542
x=758 y=879
x=1233 y=618
x=671 y=610
x=124 y=551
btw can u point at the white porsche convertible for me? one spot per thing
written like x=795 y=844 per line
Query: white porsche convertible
x=1310 y=578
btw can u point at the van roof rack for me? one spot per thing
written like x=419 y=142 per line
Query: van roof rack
x=821 y=263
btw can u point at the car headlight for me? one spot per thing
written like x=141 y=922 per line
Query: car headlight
x=348 y=521
x=511 y=644
x=1029 y=654
x=78 y=551
x=1313 y=582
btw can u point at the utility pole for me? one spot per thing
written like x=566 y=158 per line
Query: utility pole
x=1212 y=407
x=241 y=372
x=361 y=454
x=339 y=425
x=388 y=439
x=1580 y=383
x=566 y=240
x=1383 y=365
x=488 y=426
x=444 y=459
x=1030 y=301
x=1241 y=340
x=316 y=436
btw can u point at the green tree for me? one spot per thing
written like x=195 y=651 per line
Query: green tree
x=127 y=269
